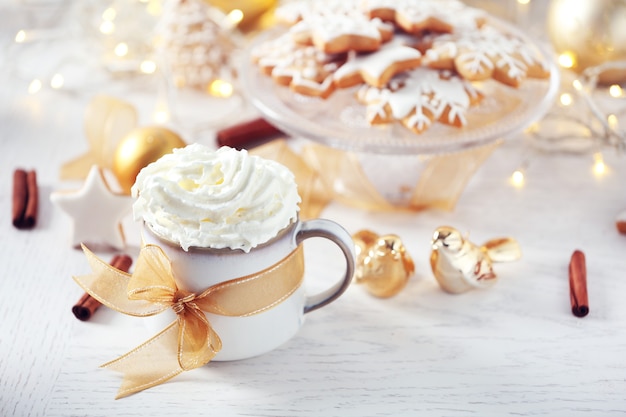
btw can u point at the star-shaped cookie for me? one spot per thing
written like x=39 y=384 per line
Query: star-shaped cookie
x=96 y=211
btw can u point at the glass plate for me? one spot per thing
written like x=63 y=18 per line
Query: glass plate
x=340 y=122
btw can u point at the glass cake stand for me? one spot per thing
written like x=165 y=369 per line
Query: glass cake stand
x=340 y=122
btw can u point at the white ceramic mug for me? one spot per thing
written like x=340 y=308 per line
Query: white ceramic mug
x=244 y=337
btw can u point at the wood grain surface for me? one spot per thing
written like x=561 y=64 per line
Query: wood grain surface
x=515 y=349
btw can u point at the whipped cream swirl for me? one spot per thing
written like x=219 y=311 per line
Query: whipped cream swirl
x=198 y=197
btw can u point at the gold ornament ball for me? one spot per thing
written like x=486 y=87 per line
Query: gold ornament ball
x=140 y=147
x=591 y=31
x=255 y=14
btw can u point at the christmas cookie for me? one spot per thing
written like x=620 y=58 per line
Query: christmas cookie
x=304 y=69
x=377 y=68
x=486 y=53
x=334 y=26
x=419 y=16
x=420 y=97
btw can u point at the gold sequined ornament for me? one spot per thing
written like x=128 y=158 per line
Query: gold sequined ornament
x=459 y=265
x=139 y=148
x=383 y=264
x=589 y=32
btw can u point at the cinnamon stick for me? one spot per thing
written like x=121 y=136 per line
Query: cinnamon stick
x=87 y=305
x=25 y=199
x=578 y=284
x=247 y=135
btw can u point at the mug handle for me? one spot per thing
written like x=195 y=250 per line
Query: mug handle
x=338 y=235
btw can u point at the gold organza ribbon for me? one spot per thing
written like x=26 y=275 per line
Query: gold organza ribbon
x=318 y=169
x=107 y=121
x=189 y=342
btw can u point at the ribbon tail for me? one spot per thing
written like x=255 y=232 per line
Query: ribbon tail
x=149 y=364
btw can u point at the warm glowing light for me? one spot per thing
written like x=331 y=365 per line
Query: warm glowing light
x=235 y=16
x=613 y=121
x=566 y=99
x=20 y=36
x=34 y=86
x=153 y=7
x=161 y=113
x=57 y=81
x=221 y=88
x=109 y=14
x=599 y=167
x=577 y=85
x=517 y=178
x=147 y=67
x=121 y=49
x=615 y=91
x=523 y=1
x=567 y=59
x=107 y=27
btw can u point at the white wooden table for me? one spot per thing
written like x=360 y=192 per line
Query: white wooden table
x=515 y=349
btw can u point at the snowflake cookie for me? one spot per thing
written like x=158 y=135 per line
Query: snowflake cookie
x=486 y=53
x=419 y=98
x=303 y=68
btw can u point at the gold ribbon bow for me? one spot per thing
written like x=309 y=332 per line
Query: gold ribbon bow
x=189 y=342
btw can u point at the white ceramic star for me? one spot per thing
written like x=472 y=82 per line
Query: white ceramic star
x=96 y=211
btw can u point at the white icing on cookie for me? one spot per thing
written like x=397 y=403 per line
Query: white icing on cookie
x=327 y=22
x=373 y=66
x=304 y=68
x=418 y=97
x=480 y=53
x=415 y=16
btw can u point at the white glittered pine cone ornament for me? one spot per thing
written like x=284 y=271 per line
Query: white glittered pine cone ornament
x=196 y=46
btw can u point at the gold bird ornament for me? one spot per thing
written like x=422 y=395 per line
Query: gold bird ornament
x=460 y=266
x=383 y=264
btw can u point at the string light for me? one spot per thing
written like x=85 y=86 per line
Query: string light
x=599 y=167
x=161 y=113
x=235 y=16
x=121 y=49
x=34 y=86
x=57 y=81
x=615 y=91
x=109 y=14
x=153 y=7
x=567 y=59
x=107 y=27
x=221 y=88
x=147 y=67
x=20 y=36
x=566 y=99
x=517 y=178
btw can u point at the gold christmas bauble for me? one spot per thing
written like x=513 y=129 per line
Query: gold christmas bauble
x=590 y=32
x=140 y=147
x=255 y=14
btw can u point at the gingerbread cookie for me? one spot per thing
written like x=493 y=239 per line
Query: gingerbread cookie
x=334 y=26
x=303 y=68
x=377 y=68
x=419 y=16
x=486 y=53
x=420 y=97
